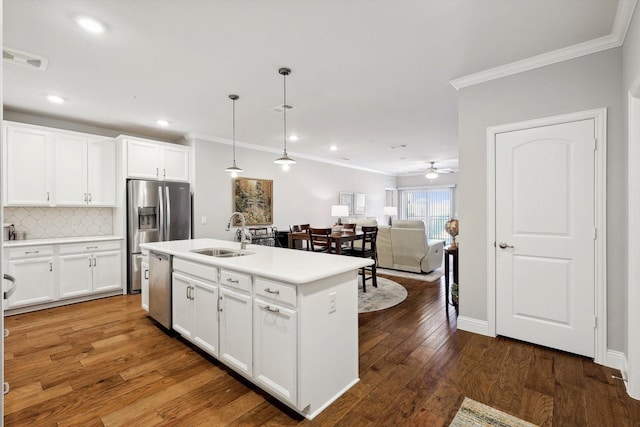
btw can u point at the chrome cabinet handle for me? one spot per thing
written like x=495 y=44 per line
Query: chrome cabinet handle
x=47 y=196
x=89 y=262
x=92 y=247
x=273 y=310
x=94 y=262
x=85 y=197
x=89 y=197
x=269 y=291
x=230 y=280
x=503 y=245
x=219 y=303
x=50 y=266
x=31 y=252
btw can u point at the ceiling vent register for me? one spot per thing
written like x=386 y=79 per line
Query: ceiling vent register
x=25 y=58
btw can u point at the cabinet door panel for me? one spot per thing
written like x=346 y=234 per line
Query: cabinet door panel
x=70 y=170
x=75 y=275
x=144 y=288
x=101 y=179
x=236 y=330
x=28 y=163
x=34 y=281
x=107 y=269
x=206 y=317
x=275 y=349
x=175 y=164
x=143 y=159
x=182 y=307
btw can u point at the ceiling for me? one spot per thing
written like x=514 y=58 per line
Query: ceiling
x=371 y=77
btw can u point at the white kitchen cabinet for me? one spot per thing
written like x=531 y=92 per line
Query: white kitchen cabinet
x=34 y=270
x=275 y=349
x=144 y=283
x=85 y=170
x=195 y=304
x=236 y=330
x=89 y=268
x=156 y=160
x=28 y=160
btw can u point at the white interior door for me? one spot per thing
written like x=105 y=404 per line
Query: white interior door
x=545 y=236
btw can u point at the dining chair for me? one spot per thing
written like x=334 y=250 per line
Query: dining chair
x=301 y=228
x=367 y=250
x=320 y=239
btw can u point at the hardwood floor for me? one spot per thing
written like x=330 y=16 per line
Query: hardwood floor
x=105 y=363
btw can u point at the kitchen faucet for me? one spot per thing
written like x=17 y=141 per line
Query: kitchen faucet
x=243 y=241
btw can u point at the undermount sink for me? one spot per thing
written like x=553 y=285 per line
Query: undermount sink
x=221 y=252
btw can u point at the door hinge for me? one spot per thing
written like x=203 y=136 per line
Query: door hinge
x=595 y=322
x=595 y=233
x=595 y=144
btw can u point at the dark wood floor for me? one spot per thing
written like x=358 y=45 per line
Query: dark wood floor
x=105 y=363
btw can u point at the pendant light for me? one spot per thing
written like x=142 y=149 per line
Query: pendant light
x=235 y=170
x=285 y=160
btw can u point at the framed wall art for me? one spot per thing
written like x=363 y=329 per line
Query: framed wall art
x=254 y=199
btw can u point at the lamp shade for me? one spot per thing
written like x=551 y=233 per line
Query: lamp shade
x=390 y=210
x=339 y=210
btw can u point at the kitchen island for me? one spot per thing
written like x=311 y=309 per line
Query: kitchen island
x=285 y=319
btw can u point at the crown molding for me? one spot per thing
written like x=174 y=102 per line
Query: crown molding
x=191 y=136
x=624 y=14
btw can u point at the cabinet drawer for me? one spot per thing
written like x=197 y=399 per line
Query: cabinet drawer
x=29 y=252
x=275 y=291
x=236 y=280
x=206 y=272
x=89 y=247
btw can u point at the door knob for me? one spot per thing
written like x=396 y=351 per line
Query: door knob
x=503 y=245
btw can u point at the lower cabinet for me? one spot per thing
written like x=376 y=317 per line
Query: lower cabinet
x=275 y=349
x=144 y=282
x=35 y=273
x=89 y=268
x=236 y=329
x=194 y=304
x=47 y=275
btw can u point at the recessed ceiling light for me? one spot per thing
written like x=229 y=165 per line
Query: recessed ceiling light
x=293 y=137
x=90 y=24
x=162 y=123
x=56 y=99
x=333 y=147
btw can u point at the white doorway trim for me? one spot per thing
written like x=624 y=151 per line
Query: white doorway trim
x=600 y=117
x=633 y=251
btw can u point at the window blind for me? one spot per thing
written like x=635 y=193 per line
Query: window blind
x=433 y=206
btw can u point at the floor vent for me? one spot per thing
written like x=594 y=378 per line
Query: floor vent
x=25 y=58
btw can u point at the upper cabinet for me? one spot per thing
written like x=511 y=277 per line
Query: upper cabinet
x=28 y=164
x=47 y=167
x=155 y=160
x=85 y=171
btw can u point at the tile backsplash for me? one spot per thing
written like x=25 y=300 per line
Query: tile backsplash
x=42 y=223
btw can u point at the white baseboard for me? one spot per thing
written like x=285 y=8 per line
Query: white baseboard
x=474 y=325
x=617 y=360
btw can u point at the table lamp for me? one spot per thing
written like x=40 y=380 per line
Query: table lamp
x=339 y=211
x=390 y=211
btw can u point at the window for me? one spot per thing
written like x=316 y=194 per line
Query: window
x=433 y=206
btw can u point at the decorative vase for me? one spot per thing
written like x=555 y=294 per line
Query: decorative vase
x=451 y=227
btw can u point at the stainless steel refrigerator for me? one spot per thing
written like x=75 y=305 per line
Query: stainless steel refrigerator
x=156 y=211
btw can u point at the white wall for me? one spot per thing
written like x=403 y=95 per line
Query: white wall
x=304 y=194
x=584 y=83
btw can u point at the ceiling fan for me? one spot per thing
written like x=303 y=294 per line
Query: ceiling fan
x=433 y=172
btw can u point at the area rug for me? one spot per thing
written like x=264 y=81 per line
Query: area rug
x=475 y=414
x=386 y=295
x=426 y=277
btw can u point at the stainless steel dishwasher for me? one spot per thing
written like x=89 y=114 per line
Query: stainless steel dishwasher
x=160 y=288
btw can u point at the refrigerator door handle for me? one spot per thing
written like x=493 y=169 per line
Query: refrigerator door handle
x=161 y=207
x=167 y=204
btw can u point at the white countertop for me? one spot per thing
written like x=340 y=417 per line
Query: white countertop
x=286 y=265
x=58 y=240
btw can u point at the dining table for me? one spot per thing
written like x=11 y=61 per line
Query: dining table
x=338 y=238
